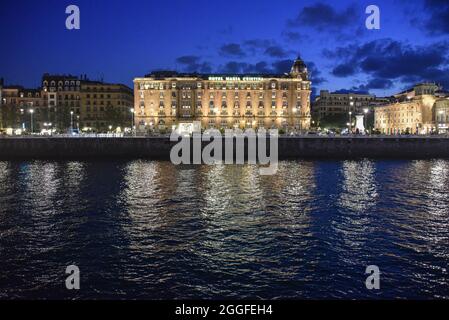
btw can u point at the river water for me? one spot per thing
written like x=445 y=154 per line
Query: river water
x=150 y=230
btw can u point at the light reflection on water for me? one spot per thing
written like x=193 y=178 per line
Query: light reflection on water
x=147 y=229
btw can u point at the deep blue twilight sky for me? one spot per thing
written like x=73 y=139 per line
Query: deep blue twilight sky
x=123 y=39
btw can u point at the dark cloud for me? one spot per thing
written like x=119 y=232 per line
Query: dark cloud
x=323 y=17
x=254 y=46
x=234 y=67
x=232 y=49
x=282 y=66
x=315 y=74
x=187 y=60
x=354 y=90
x=194 y=64
x=293 y=36
x=375 y=84
x=344 y=70
x=258 y=43
x=205 y=67
x=261 y=67
x=438 y=20
x=277 y=67
x=276 y=52
x=393 y=60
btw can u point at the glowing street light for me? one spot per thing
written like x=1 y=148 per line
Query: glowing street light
x=31 y=113
x=71 y=121
x=350 y=121
x=365 y=120
x=133 y=112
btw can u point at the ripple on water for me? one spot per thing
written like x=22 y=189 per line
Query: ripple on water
x=148 y=229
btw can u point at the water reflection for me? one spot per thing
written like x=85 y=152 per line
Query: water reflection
x=148 y=229
x=359 y=191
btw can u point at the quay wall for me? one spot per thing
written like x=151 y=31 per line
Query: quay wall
x=160 y=147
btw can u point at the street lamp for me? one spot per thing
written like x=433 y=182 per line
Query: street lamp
x=365 y=111
x=71 y=121
x=132 y=119
x=350 y=121
x=31 y=113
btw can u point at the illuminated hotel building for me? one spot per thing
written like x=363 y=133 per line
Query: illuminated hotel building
x=164 y=100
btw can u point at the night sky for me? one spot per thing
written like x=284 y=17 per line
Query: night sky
x=120 y=40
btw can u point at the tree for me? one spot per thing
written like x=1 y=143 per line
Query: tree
x=10 y=116
x=114 y=117
x=334 y=121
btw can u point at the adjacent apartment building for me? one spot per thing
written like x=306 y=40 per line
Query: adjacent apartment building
x=96 y=105
x=165 y=100
x=66 y=101
x=339 y=105
x=420 y=110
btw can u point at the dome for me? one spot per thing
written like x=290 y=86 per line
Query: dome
x=299 y=66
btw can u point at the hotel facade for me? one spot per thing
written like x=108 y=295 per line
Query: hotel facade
x=166 y=100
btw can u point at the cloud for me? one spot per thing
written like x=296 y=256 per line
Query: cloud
x=194 y=64
x=344 y=70
x=187 y=60
x=235 y=67
x=388 y=59
x=258 y=43
x=262 y=67
x=276 y=52
x=232 y=50
x=375 y=84
x=314 y=74
x=322 y=17
x=277 y=67
x=438 y=20
x=267 y=47
x=354 y=90
x=293 y=36
x=282 y=66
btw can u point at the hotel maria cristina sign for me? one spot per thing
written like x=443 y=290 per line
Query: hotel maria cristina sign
x=237 y=78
